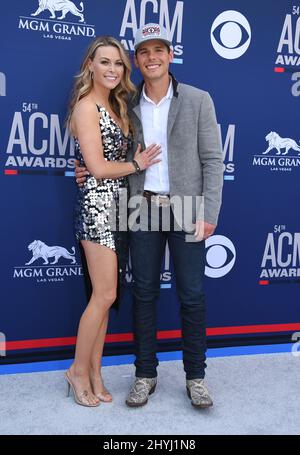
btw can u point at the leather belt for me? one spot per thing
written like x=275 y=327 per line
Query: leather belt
x=161 y=200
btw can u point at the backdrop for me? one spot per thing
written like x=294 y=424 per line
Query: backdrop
x=247 y=55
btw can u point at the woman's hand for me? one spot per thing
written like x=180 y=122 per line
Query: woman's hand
x=147 y=157
x=80 y=173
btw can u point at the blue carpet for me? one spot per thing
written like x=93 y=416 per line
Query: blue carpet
x=129 y=359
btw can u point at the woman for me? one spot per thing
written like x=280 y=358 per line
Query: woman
x=100 y=125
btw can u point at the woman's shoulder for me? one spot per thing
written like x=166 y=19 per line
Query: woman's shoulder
x=85 y=106
x=85 y=113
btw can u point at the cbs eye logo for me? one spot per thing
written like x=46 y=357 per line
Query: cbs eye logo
x=220 y=256
x=230 y=34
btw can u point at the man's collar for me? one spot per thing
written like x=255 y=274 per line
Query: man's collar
x=168 y=95
x=137 y=96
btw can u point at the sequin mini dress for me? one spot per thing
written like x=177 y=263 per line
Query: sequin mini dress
x=99 y=201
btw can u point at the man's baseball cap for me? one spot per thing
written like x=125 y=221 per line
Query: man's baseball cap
x=149 y=32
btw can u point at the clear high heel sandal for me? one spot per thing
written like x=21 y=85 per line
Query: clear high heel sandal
x=79 y=397
x=104 y=396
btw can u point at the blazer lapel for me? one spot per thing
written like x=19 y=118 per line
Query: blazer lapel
x=137 y=111
x=134 y=104
x=174 y=107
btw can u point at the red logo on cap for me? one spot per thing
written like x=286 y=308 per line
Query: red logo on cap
x=151 y=30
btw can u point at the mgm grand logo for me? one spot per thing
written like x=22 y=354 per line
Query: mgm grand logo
x=282 y=154
x=60 y=24
x=63 y=263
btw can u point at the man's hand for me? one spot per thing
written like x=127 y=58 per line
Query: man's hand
x=80 y=173
x=203 y=230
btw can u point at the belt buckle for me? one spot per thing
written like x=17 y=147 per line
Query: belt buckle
x=162 y=201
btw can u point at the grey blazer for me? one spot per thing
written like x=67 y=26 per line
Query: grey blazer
x=194 y=148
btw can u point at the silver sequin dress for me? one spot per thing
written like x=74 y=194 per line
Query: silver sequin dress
x=97 y=206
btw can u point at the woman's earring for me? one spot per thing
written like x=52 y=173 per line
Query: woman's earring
x=92 y=75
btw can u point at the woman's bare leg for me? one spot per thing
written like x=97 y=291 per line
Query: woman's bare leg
x=102 y=266
x=95 y=367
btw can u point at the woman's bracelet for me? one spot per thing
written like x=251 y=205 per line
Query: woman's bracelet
x=136 y=166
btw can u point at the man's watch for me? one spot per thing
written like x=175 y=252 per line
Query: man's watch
x=137 y=167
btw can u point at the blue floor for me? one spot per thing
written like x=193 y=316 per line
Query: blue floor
x=128 y=359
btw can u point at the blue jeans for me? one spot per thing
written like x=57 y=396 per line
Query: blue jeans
x=147 y=250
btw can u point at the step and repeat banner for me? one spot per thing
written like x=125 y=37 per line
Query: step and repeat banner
x=247 y=55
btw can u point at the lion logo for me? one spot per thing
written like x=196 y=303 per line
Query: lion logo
x=65 y=6
x=277 y=142
x=41 y=250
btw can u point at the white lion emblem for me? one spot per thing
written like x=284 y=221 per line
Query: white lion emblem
x=65 y=6
x=41 y=250
x=277 y=142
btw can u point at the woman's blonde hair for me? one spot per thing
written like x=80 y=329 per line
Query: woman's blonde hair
x=118 y=97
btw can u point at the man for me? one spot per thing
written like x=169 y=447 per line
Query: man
x=182 y=120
